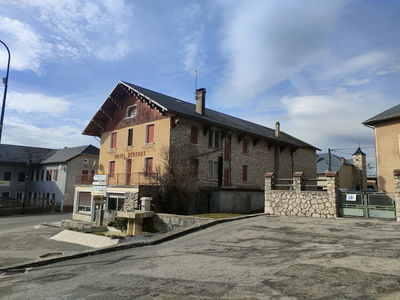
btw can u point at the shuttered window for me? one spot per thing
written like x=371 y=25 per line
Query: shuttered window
x=245 y=146
x=194 y=132
x=113 y=144
x=148 y=166
x=150 y=133
x=111 y=170
x=244 y=172
x=226 y=177
x=130 y=137
x=227 y=151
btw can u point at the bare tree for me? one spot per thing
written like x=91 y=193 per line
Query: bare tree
x=175 y=182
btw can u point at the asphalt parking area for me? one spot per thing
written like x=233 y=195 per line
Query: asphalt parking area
x=261 y=257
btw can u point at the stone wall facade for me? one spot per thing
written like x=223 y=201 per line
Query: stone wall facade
x=396 y=174
x=297 y=202
x=261 y=155
x=168 y=222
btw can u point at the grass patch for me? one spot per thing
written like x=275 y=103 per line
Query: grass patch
x=219 y=215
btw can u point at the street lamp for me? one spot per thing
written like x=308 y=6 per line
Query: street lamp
x=5 y=81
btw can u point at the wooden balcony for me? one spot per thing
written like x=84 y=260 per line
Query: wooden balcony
x=118 y=179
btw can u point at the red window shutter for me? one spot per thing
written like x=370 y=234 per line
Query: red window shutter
x=150 y=134
x=130 y=136
x=194 y=134
x=226 y=177
x=149 y=165
x=245 y=145
x=114 y=140
x=85 y=175
x=244 y=173
x=112 y=169
x=55 y=174
x=227 y=152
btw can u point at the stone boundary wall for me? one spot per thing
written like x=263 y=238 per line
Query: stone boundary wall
x=302 y=203
x=168 y=222
x=396 y=174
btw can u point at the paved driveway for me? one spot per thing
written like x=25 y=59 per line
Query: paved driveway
x=306 y=258
x=22 y=239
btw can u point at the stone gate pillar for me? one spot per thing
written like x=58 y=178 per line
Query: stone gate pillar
x=298 y=181
x=396 y=174
x=269 y=185
x=332 y=188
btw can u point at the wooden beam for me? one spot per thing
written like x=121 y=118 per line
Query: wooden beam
x=106 y=113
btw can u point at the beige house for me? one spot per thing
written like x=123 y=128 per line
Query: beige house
x=137 y=126
x=387 y=144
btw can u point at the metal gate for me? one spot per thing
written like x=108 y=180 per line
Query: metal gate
x=368 y=205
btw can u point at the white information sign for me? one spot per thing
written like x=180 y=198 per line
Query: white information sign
x=4 y=183
x=100 y=183
x=100 y=177
x=351 y=197
x=98 y=188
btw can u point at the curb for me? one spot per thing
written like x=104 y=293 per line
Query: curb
x=135 y=244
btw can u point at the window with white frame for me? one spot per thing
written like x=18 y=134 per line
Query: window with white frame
x=214 y=137
x=131 y=111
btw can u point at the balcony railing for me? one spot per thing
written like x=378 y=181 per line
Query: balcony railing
x=138 y=178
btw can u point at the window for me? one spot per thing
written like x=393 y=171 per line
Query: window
x=55 y=177
x=128 y=171
x=42 y=175
x=113 y=143
x=244 y=173
x=7 y=176
x=115 y=202
x=5 y=195
x=84 y=201
x=21 y=177
x=130 y=137
x=245 y=146
x=213 y=139
x=148 y=166
x=131 y=111
x=111 y=169
x=48 y=175
x=226 y=177
x=19 y=196
x=150 y=134
x=37 y=175
x=194 y=168
x=194 y=134
x=227 y=152
x=212 y=170
x=85 y=176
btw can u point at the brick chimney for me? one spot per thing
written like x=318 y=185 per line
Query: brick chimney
x=277 y=129
x=200 y=101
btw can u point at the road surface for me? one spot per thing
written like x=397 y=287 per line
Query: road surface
x=262 y=257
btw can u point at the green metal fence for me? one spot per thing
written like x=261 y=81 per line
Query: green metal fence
x=368 y=205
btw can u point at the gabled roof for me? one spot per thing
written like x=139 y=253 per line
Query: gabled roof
x=66 y=154
x=167 y=104
x=391 y=113
x=23 y=154
x=336 y=162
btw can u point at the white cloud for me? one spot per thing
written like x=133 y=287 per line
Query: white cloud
x=73 y=29
x=20 y=132
x=28 y=48
x=265 y=42
x=36 y=103
x=330 y=121
x=355 y=82
x=369 y=62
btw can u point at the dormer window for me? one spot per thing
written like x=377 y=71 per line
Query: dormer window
x=131 y=111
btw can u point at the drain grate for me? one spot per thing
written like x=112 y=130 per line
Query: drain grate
x=51 y=254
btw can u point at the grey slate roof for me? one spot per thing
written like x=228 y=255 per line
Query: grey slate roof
x=187 y=109
x=336 y=163
x=23 y=154
x=66 y=154
x=391 y=113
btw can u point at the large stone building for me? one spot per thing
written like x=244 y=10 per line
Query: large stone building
x=387 y=145
x=41 y=176
x=137 y=126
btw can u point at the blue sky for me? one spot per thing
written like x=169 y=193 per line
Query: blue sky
x=320 y=68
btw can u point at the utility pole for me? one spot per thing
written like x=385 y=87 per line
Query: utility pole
x=5 y=81
x=329 y=160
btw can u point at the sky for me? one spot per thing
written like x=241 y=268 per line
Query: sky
x=320 y=68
